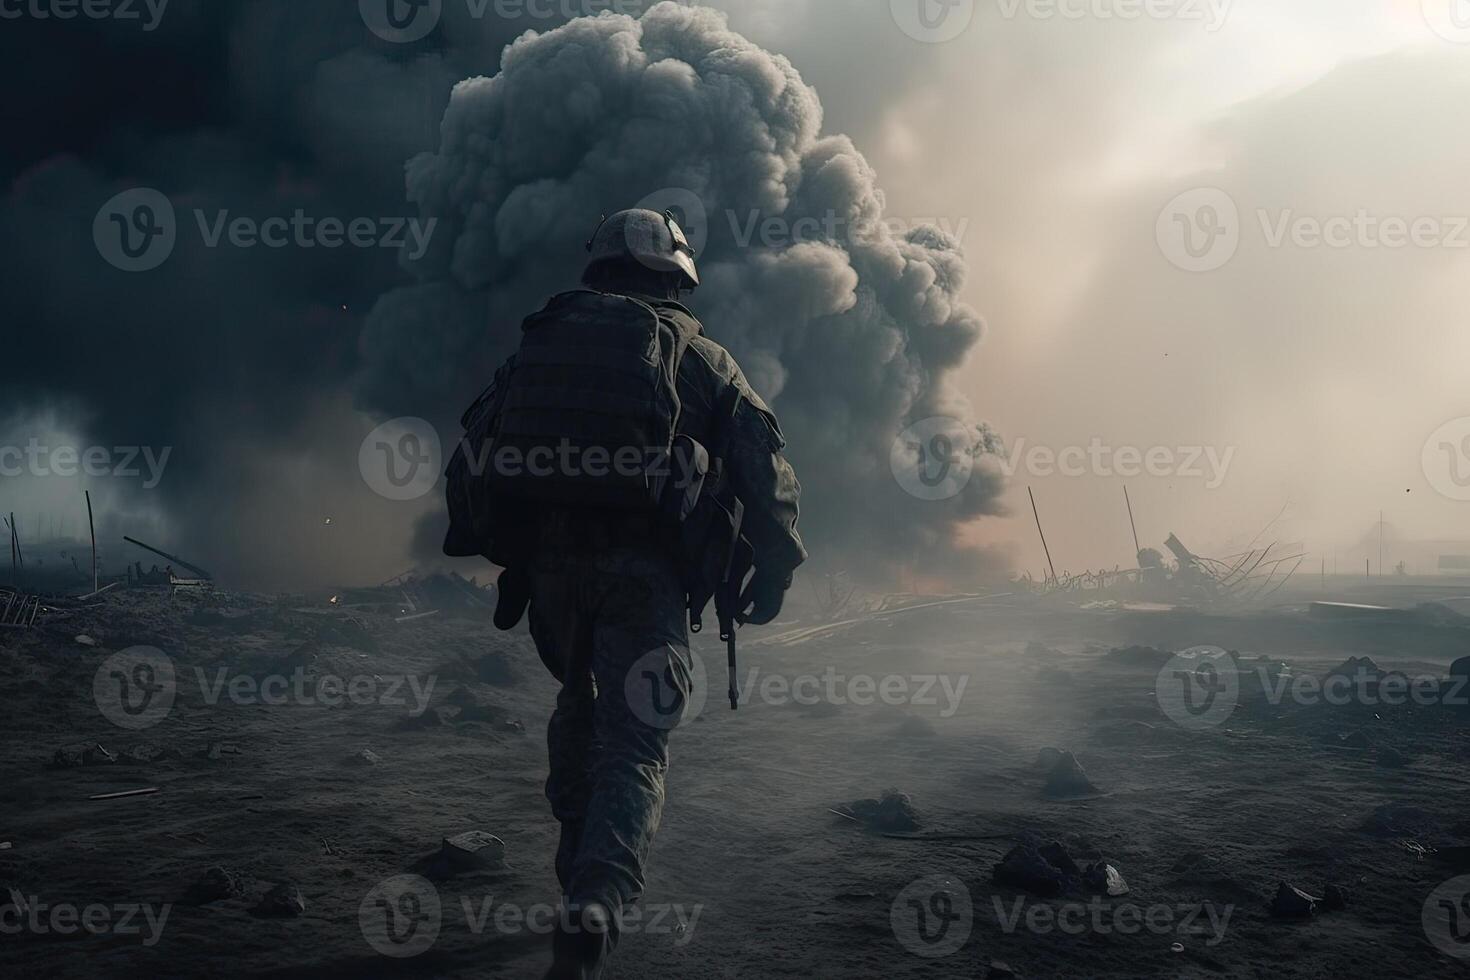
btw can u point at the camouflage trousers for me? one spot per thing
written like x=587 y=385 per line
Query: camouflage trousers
x=603 y=622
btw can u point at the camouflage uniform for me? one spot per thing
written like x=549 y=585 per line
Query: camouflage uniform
x=606 y=592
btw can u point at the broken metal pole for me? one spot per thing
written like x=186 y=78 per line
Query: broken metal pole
x=175 y=558
x=1136 y=548
x=1037 y=515
x=93 y=528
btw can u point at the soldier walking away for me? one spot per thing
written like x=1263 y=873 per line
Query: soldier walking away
x=623 y=473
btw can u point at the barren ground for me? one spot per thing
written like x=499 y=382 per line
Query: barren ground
x=764 y=879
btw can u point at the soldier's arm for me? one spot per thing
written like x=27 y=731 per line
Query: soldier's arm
x=762 y=478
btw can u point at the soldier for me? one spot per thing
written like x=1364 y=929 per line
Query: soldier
x=607 y=561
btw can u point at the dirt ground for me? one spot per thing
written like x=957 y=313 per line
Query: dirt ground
x=753 y=874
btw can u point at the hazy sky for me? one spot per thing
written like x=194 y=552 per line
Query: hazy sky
x=1318 y=373
x=1224 y=246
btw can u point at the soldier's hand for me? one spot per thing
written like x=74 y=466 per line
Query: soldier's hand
x=762 y=599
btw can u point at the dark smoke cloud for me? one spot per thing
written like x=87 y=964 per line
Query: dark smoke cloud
x=848 y=326
x=249 y=363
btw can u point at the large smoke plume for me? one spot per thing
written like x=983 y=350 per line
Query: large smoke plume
x=262 y=368
x=849 y=323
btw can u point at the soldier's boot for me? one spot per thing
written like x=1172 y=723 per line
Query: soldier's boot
x=581 y=944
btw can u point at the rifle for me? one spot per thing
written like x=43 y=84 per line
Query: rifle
x=718 y=556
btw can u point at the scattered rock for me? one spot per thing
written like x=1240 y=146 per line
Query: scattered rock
x=1335 y=898
x=486 y=714
x=1400 y=820
x=215 y=751
x=473 y=850
x=462 y=697
x=82 y=754
x=914 y=727
x=366 y=757
x=1000 y=971
x=893 y=812
x=304 y=659
x=1391 y=758
x=1104 y=879
x=1048 y=757
x=433 y=718
x=85 y=640
x=1292 y=903
x=1025 y=868
x=1067 y=778
x=142 y=754
x=216 y=884
x=283 y=901
x=1460 y=670
x=1056 y=855
x=1356 y=667
x=495 y=668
